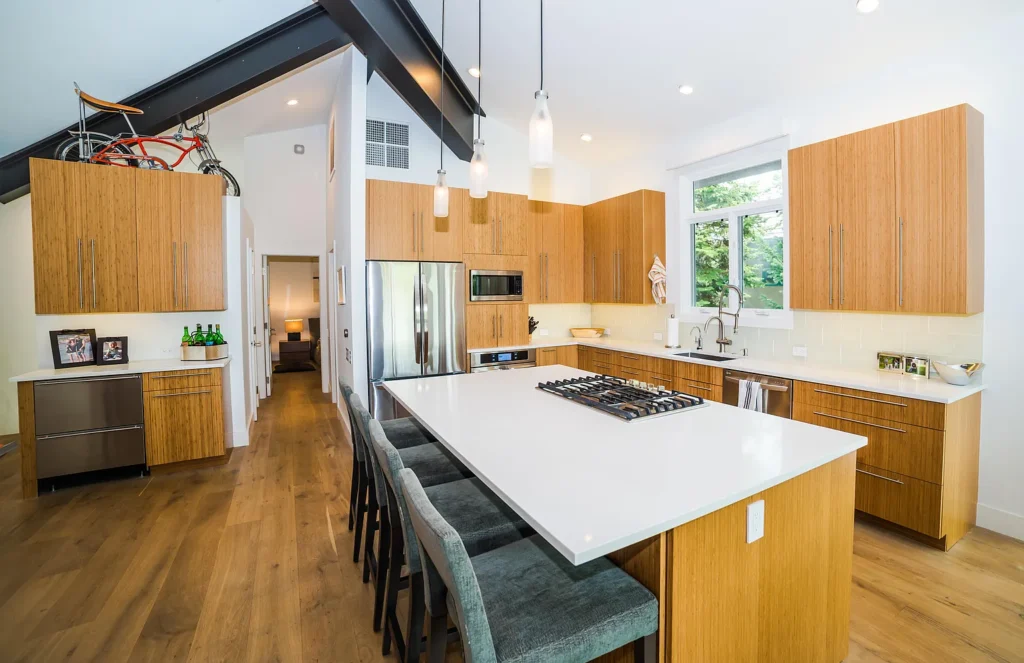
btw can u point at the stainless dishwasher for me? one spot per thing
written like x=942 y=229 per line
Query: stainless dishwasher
x=89 y=423
x=780 y=391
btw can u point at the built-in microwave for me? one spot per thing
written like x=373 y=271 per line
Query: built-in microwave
x=495 y=285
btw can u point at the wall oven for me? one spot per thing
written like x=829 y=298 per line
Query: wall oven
x=495 y=285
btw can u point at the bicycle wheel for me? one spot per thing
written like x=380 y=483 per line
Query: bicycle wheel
x=232 y=184
x=69 y=149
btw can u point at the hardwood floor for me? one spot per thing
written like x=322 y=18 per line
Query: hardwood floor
x=251 y=561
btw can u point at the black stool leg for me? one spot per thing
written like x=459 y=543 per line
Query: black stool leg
x=353 y=497
x=371 y=529
x=437 y=637
x=645 y=649
x=394 y=581
x=361 y=505
x=417 y=611
x=383 y=567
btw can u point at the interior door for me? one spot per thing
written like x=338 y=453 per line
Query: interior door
x=268 y=364
x=442 y=307
x=202 y=237
x=253 y=341
x=813 y=227
x=108 y=227
x=158 y=216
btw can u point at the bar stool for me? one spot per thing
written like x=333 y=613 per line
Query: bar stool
x=481 y=519
x=525 y=601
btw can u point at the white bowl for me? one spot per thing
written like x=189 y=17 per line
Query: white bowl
x=958 y=374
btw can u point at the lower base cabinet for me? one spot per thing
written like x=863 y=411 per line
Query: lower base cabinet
x=566 y=355
x=184 y=414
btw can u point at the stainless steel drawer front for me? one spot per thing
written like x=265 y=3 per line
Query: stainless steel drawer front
x=94 y=450
x=81 y=404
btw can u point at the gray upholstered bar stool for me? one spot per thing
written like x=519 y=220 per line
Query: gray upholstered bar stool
x=479 y=517
x=525 y=602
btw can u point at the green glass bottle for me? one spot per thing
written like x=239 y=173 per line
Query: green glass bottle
x=197 y=335
x=209 y=339
x=218 y=338
x=186 y=338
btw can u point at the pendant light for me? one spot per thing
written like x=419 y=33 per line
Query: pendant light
x=542 y=133
x=441 y=188
x=478 y=164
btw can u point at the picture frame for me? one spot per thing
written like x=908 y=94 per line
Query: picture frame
x=73 y=347
x=917 y=365
x=111 y=350
x=890 y=362
x=342 y=278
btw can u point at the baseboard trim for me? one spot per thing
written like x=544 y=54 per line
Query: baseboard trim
x=1001 y=521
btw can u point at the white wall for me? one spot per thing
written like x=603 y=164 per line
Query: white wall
x=291 y=297
x=346 y=210
x=507 y=156
x=979 y=69
x=17 y=299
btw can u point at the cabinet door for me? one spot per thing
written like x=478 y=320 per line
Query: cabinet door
x=56 y=248
x=183 y=425
x=513 y=324
x=440 y=237
x=479 y=231
x=600 y=251
x=568 y=271
x=510 y=212
x=107 y=202
x=158 y=219
x=202 y=238
x=633 y=263
x=866 y=210
x=812 y=226
x=481 y=326
x=392 y=222
x=539 y=215
x=547 y=356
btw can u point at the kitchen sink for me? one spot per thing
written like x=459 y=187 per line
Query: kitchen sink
x=701 y=355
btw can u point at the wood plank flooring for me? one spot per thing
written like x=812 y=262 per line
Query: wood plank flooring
x=251 y=561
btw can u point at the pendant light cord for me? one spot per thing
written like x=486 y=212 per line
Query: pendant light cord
x=442 y=83
x=480 y=67
x=542 y=44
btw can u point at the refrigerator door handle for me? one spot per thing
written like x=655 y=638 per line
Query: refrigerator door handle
x=416 y=319
x=424 y=334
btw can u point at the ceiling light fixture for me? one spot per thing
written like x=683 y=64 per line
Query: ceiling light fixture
x=478 y=164
x=867 y=6
x=293 y=102
x=542 y=133
x=586 y=138
x=474 y=72
x=685 y=89
x=441 y=188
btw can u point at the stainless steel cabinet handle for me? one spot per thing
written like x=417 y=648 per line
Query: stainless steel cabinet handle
x=540 y=270
x=183 y=393
x=830 y=298
x=629 y=372
x=96 y=379
x=862 y=423
x=174 y=268
x=55 y=436
x=842 y=278
x=879 y=476
x=422 y=249
x=179 y=375
x=186 y=274
x=494 y=326
x=547 y=277
x=859 y=398
x=494 y=235
x=81 y=297
x=501 y=235
x=701 y=387
x=900 y=258
x=501 y=326
x=593 y=277
x=92 y=252
x=414 y=231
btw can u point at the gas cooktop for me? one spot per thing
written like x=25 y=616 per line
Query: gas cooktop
x=628 y=400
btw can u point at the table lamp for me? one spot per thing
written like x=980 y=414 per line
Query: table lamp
x=294 y=329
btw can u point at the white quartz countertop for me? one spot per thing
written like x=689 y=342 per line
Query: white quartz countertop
x=934 y=389
x=591 y=484
x=132 y=367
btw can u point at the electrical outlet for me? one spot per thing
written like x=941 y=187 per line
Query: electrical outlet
x=542 y=332
x=799 y=350
x=755 y=521
x=607 y=331
x=658 y=336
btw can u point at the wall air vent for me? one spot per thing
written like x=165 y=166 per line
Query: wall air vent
x=387 y=144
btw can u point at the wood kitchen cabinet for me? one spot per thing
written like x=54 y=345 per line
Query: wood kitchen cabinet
x=400 y=223
x=184 y=415
x=621 y=237
x=180 y=240
x=84 y=236
x=497 y=325
x=495 y=224
x=555 y=251
x=813 y=226
x=566 y=355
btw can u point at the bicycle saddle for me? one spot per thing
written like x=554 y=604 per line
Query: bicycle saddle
x=99 y=104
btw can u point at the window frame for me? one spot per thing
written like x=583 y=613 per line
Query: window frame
x=773 y=150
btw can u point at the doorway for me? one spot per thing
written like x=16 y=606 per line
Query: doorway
x=292 y=335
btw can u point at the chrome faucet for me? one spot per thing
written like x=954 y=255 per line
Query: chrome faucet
x=700 y=337
x=721 y=340
x=735 y=314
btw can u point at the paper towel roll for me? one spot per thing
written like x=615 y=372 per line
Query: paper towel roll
x=672 y=333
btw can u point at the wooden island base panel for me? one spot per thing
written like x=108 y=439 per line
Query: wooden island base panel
x=783 y=598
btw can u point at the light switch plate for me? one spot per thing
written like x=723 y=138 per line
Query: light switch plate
x=799 y=350
x=658 y=336
x=542 y=332
x=755 y=521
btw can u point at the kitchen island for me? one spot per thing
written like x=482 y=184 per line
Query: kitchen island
x=666 y=498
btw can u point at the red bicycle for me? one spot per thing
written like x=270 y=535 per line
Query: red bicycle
x=94 y=147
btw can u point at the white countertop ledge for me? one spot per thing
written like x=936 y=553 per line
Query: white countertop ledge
x=591 y=484
x=132 y=367
x=869 y=379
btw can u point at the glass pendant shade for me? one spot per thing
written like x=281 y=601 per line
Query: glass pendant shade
x=542 y=133
x=441 y=195
x=478 y=171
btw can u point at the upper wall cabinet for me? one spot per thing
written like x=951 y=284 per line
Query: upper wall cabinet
x=891 y=218
x=495 y=224
x=400 y=223
x=555 y=251
x=621 y=237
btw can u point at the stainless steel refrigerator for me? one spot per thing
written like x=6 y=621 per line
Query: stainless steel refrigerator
x=415 y=325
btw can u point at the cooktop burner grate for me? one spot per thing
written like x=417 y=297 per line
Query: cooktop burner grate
x=628 y=400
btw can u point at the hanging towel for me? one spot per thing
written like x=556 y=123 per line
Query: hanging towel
x=753 y=396
x=657 y=277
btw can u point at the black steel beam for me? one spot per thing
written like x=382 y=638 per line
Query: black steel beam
x=405 y=54
x=274 y=51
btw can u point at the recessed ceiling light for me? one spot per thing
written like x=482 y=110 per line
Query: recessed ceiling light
x=867 y=6
x=293 y=102
x=685 y=89
x=586 y=138
x=474 y=72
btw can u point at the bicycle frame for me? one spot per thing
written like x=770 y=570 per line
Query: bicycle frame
x=109 y=156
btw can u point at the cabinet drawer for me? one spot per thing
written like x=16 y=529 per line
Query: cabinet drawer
x=189 y=379
x=632 y=361
x=184 y=424
x=659 y=365
x=630 y=372
x=900 y=499
x=603 y=368
x=547 y=356
x=697 y=372
x=911 y=450
x=659 y=380
x=604 y=356
x=707 y=391
x=868 y=403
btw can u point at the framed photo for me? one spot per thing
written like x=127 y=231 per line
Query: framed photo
x=73 y=347
x=112 y=350
x=342 y=278
x=890 y=362
x=915 y=365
